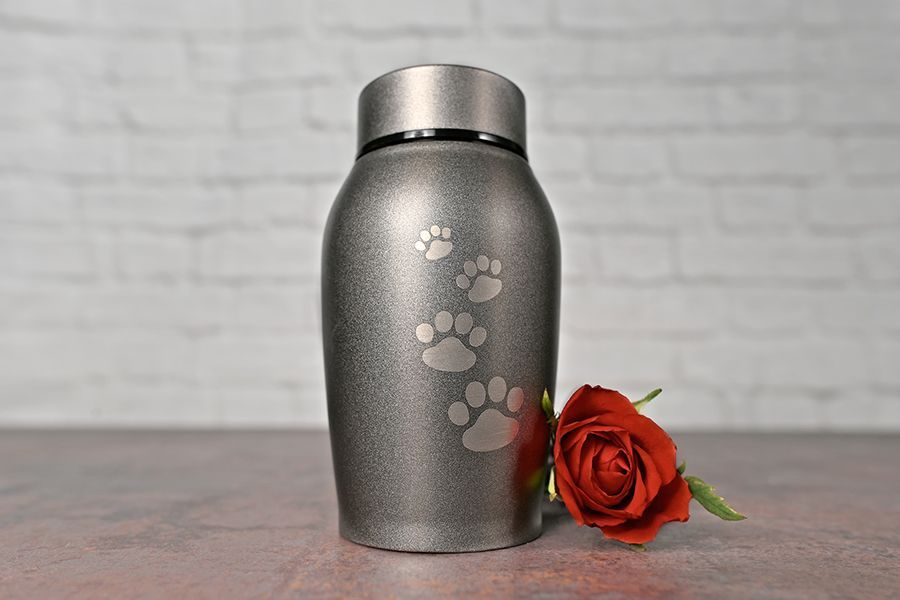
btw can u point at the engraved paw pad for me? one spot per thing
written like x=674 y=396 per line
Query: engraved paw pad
x=437 y=242
x=492 y=429
x=480 y=278
x=450 y=353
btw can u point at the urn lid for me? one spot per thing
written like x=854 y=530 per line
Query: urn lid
x=441 y=102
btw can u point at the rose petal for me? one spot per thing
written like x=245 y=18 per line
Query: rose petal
x=592 y=514
x=589 y=402
x=649 y=474
x=671 y=504
x=646 y=434
x=585 y=473
x=572 y=445
x=611 y=483
x=636 y=502
x=567 y=492
x=606 y=458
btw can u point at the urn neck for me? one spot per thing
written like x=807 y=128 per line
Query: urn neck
x=458 y=135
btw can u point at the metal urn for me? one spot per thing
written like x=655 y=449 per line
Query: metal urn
x=440 y=301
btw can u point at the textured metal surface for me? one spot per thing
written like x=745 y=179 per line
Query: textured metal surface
x=253 y=515
x=412 y=318
x=444 y=97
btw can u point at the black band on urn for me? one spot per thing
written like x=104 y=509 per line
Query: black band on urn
x=459 y=135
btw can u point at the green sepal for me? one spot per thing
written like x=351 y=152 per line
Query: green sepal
x=547 y=406
x=646 y=399
x=637 y=547
x=551 y=485
x=681 y=468
x=706 y=495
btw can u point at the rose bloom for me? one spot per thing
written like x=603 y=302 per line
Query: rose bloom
x=615 y=468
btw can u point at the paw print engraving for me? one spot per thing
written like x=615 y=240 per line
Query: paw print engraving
x=486 y=284
x=450 y=354
x=436 y=240
x=492 y=429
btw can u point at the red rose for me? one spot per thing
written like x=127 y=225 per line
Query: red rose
x=615 y=468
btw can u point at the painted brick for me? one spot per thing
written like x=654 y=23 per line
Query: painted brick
x=770 y=313
x=582 y=360
x=135 y=206
x=210 y=61
x=143 y=257
x=528 y=15
x=558 y=154
x=36 y=202
x=761 y=208
x=270 y=109
x=290 y=59
x=141 y=61
x=29 y=102
x=843 y=108
x=691 y=408
x=258 y=255
x=167 y=158
x=636 y=258
x=176 y=112
x=167 y=15
x=842 y=208
x=29 y=307
x=721 y=55
x=279 y=309
x=630 y=313
x=624 y=58
x=782 y=363
x=159 y=405
x=763 y=12
x=867 y=57
x=273 y=15
x=753 y=156
x=272 y=204
x=881 y=257
x=266 y=407
x=612 y=15
x=650 y=207
x=397 y=16
x=196 y=311
x=629 y=158
x=333 y=107
x=45 y=255
x=872 y=157
x=251 y=363
x=630 y=108
x=771 y=259
x=854 y=313
x=756 y=105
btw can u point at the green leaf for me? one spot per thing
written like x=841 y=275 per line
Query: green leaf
x=551 y=485
x=547 y=406
x=638 y=547
x=646 y=399
x=681 y=467
x=706 y=495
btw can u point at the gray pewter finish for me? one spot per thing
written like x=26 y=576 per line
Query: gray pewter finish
x=440 y=297
x=404 y=478
x=441 y=97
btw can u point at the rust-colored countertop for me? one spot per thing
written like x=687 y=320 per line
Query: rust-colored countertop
x=212 y=515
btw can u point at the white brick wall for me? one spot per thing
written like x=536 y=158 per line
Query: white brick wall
x=725 y=173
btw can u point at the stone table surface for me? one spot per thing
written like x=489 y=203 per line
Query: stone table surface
x=253 y=514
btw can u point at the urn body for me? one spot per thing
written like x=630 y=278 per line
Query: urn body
x=440 y=299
